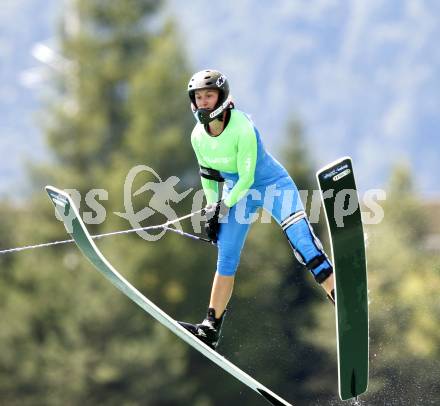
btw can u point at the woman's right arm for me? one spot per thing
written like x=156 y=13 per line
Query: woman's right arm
x=210 y=186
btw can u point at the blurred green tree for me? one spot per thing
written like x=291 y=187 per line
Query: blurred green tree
x=404 y=281
x=71 y=337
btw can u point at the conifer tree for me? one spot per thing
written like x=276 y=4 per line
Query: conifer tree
x=404 y=281
x=71 y=337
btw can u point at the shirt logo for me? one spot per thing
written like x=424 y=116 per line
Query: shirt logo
x=218 y=160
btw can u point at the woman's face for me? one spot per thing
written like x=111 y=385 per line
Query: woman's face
x=206 y=98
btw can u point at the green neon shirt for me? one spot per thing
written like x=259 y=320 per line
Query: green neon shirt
x=233 y=151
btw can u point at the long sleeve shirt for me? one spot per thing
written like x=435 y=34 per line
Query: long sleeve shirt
x=238 y=154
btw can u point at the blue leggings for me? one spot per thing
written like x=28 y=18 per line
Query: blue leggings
x=281 y=201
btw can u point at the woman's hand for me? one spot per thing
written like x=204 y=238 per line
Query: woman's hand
x=214 y=212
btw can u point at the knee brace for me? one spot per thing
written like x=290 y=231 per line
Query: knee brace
x=306 y=246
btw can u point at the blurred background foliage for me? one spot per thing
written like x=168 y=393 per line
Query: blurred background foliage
x=68 y=337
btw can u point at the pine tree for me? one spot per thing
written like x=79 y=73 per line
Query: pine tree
x=404 y=281
x=71 y=337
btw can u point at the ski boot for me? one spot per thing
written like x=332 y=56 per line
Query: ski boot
x=208 y=331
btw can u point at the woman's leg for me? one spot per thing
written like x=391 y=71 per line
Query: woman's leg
x=306 y=246
x=221 y=293
x=232 y=235
x=230 y=242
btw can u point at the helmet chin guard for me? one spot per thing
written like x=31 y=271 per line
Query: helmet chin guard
x=205 y=116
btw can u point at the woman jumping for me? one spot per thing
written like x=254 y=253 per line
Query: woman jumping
x=228 y=148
